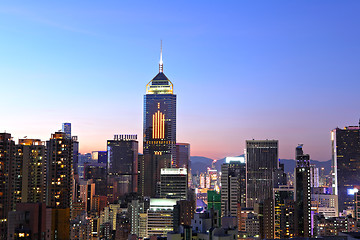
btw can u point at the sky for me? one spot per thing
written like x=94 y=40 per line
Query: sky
x=285 y=70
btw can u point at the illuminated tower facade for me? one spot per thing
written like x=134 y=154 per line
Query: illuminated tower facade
x=159 y=130
x=59 y=171
x=31 y=155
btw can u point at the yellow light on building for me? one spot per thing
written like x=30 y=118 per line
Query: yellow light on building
x=158 y=131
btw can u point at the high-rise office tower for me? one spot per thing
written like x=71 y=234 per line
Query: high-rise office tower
x=182 y=155
x=303 y=224
x=314 y=176
x=346 y=164
x=284 y=212
x=66 y=128
x=183 y=213
x=82 y=159
x=325 y=204
x=75 y=154
x=159 y=129
x=173 y=183
x=99 y=156
x=280 y=177
x=135 y=208
x=32 y=158
x=160 y=216
x=122 y=155
x=183 y=158
x=7 y=157
x=261 y=162
x=87 y=192
x=233 y=186
x=59 y=171
x=97 y=172
x=141 y=175
x=357 y=207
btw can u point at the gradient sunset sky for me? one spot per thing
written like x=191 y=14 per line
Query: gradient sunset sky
x=286 y=70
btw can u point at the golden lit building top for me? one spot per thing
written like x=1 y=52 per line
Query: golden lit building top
x=58 y=135
x=30 y=142
x=160 y=84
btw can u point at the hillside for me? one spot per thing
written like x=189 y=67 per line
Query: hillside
x=200 y=164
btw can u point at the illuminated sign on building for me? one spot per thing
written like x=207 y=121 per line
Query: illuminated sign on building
x=173 y=171
x=162 y=204
x=235 y=159
x=352 y=191
x=158 y=120
x=125 y=137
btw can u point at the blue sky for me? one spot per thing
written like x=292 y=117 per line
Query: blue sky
x=286 y=70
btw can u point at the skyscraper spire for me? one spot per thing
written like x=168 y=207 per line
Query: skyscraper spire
x=161 y=65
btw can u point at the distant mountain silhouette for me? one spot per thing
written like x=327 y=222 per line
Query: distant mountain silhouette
x=200 y=164
x=290 y=164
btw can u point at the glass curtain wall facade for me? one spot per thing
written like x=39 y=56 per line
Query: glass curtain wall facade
x=261 y=162
x=159 y=131
x=123 y=165
x=346 y=164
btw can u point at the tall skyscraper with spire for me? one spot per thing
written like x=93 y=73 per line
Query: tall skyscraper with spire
x=159 y=131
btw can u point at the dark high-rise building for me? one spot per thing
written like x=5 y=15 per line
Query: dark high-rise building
x=284 y=212
x=59 y=171
x=346 y=164
x=280 y=177
x=97 y=172
x=101 y=156
x=7 y=162
x=159 y=129
x=173 y=183
x=122 y=155
x=141 y=174
x=183 y=213
x=29 y=221
x=183 y=158
x=82 y=159
x=66 y=128
x=75 y=154
x=233 y=186
x=357 y=208
x=266 y=219
x=182 y=155
x=303 y=226
x=261 y=162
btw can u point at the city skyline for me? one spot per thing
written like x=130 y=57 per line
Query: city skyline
x=293 y=81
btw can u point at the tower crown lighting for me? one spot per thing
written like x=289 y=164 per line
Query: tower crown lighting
x=160 y=84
